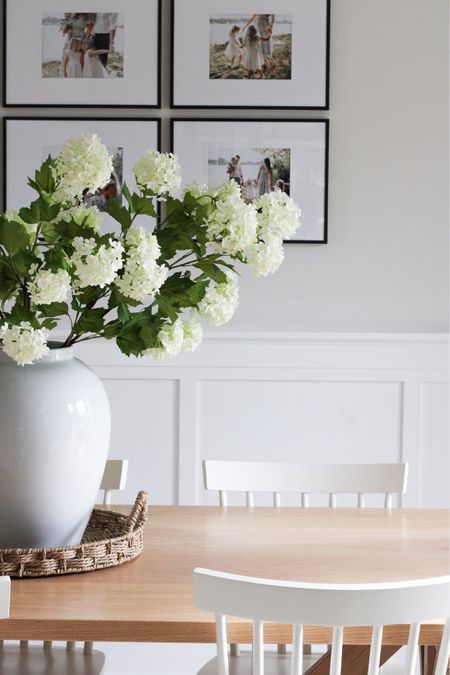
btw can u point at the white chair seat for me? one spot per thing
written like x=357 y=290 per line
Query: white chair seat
x=15 y=660
x=274 y=664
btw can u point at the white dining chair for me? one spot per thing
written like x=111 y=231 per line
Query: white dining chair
x=114 y=478
x=304 y=480
x=334 y=605
x=51 y=660
x=24 y=659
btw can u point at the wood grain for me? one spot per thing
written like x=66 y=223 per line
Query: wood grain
x=355 y=660
x=151 y=598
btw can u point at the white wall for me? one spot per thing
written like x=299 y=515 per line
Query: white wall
x=385 y=267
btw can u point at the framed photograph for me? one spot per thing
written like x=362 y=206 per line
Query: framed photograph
x=29 y=141
x=261 y=155
x=108 y=56
x=232 y=55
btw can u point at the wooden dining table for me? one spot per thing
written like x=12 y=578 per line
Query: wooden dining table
x=151 y=599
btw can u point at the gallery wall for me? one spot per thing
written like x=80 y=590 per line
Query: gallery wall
x=385 y=267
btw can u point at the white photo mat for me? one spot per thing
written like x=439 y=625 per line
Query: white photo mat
x=307 y=141
x=192 y=86
x=28 y=138
x=25 y=85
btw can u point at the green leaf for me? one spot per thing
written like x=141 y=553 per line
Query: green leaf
x=118 y=300
x=70 y=229
x=56 y=259
x=49 y=232
x=91 y=321
x=112 y=329
x=43 y=177
x=54 y=309
x=119 y=213
x=87 y=295
x=39 y=210
x=50 y=324
x=13 y=236
x=127 y=194
x=198 y=290
x=167 y=309
x=149 y=333
x=7 y=285
x=19 y=313
x=130 y=342
x=22 y=262
x=144 y=205
x=209 y=267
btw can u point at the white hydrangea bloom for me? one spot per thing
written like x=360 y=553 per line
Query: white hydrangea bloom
x=96 y=268
x=142 y=275
x=82 y=164
x=220 y=301
x=278 y=215
x=233 y=222
x=192 y=335
x=87 y=216
x=23 y=343
x=158 y=172
x=170 y=339
x=48 y=287
x=13 y=216
x=266 y=256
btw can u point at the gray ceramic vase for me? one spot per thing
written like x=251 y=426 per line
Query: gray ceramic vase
x=55 y=425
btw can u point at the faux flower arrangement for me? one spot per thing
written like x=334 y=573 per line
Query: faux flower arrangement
x=147 y=288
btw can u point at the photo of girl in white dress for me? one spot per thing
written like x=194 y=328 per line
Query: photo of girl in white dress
x=233 y=51
x=252 y=46
x=67 y=37
x=253 y=60
x=73 y=59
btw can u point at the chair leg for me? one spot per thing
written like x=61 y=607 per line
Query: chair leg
x=70 y=646
x=88 y=646
x=428 y=656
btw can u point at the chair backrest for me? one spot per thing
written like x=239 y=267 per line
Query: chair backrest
x=335 y=605
x=5 y=594
x=114 y=477
x=304 y=479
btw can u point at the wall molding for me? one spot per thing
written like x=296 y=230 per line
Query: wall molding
x=397 y=384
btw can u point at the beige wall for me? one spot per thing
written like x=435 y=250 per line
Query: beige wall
x=385 y=267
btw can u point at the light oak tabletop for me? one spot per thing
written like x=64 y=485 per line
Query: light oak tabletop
x=151 y=598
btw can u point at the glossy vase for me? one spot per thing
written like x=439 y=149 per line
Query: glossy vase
x=55 y=425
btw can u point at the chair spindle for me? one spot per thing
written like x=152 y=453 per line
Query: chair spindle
x=336 y=650
x=375 y=650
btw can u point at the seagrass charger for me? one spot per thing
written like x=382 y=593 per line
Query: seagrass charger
x=110 y=539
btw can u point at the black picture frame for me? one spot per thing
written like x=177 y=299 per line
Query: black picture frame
x=12 y=104
x=70 y=119
x=323 y=239
x=198 y=106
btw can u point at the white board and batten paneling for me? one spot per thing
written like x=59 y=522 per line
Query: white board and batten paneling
x=310 y=398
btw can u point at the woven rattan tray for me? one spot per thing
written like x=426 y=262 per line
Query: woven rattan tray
x=110 y=539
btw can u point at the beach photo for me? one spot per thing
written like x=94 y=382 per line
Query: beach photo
x=83 y=45
x=250 y=46
x=113 y=187
x=256 y=170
